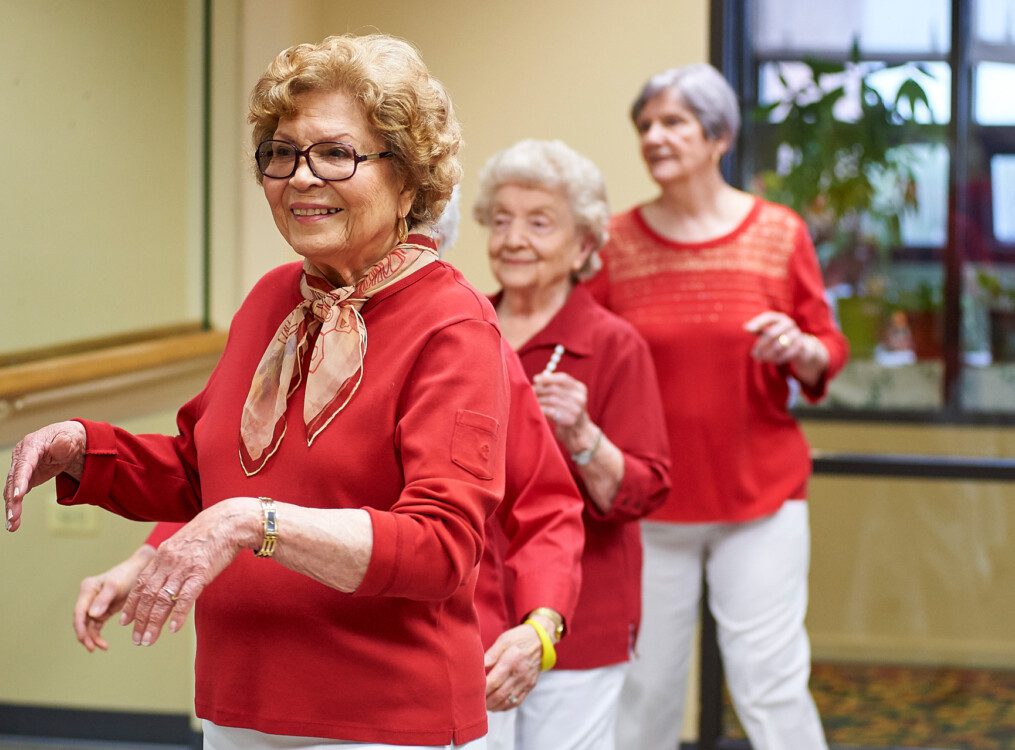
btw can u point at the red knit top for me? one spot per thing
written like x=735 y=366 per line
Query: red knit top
x=420 y=447
x=737 y=453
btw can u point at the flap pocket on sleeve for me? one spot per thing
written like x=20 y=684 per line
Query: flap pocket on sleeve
x=473 y=442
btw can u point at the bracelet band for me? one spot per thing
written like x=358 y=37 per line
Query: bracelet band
x=549 y=652
x=267 y=548
x=584 y=458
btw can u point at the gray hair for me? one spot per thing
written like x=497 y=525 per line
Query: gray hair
x=445 y=229
x=704 y=91
x=551 y=165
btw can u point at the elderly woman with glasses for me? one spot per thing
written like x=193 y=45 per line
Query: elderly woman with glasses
x=545 y=208
x=335 y=493
x=726 y=289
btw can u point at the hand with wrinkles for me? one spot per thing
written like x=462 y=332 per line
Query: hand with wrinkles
x=512 y=667
x=187 y=562
x=55 y=449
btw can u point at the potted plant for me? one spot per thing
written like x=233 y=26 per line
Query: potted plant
x=847 y=177
x=923 y=307
x=1000 y=301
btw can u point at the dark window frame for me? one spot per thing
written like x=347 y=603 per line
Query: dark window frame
x=731 y=52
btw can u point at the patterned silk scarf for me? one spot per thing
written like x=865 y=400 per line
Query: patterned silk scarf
x=336 y=363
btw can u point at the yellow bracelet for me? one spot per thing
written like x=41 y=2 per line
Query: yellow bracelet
x=549 y=652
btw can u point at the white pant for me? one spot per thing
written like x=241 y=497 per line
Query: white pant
x=232 y=738
x=571 y=709
x=757 y=583
x=501 y=734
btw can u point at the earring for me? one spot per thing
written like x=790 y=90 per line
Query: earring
x=402 y=229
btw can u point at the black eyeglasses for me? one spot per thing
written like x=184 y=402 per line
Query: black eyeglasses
x=328 y=161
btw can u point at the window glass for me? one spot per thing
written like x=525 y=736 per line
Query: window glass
x=993 y=100
x=1002 y=178
x=900 y=26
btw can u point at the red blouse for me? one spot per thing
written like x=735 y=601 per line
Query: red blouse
x=609 y=356
x=737 y=453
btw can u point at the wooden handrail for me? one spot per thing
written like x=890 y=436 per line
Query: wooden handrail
x=72 y=369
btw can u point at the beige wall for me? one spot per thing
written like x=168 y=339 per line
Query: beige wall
x=102 y=167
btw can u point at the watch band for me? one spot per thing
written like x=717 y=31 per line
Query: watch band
x=583 y=458
x=554 y=617
x=267 y=548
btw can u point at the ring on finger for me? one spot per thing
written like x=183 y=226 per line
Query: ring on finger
x=783 y=340
x=512 y=699
x=173 y=596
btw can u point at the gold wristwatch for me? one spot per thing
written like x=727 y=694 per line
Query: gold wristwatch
x=270 y=528
x=554 y=617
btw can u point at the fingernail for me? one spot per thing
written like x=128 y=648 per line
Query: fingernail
x=147 y=640
x=95 y=611
x=10 y=515
x=17 y=493
x=173 y=626
x=137 y=639
x=124 y=619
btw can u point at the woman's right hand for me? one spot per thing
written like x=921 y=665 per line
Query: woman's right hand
x=55 y=449
x=102 y=596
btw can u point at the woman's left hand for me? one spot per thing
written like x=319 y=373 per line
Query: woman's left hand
x=780 y=341
x=564 y=401
x=186 y=563
x=512 y=667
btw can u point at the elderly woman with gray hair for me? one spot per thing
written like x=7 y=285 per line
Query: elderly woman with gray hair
x=546 y=211
x=726 y=289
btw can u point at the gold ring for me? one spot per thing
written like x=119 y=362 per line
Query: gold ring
x=512 y=699
x=783 y=340
x=172 y=594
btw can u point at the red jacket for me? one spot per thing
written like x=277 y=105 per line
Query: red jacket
x=737 y=452
x=420 y=447
x=609 y=356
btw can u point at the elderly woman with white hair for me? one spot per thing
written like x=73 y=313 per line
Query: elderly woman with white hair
x=546 y=211
x=726 y=289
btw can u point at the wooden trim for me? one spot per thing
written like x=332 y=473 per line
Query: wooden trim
x=72 y=369
x=81 y=346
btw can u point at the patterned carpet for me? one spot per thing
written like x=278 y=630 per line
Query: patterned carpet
x=911 y=707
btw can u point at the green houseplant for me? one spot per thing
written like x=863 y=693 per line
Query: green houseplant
x=847 y=177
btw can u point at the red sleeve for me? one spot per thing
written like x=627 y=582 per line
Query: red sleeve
x=632 y=418
x=812 y=313
x=450 y=434
x=141 y=477
x=542 y=510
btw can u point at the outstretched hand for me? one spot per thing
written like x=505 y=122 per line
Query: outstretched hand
x=55 y=449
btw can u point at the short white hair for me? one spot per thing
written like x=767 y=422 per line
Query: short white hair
x=704 y=91
x=551 y=165
x=445 y=229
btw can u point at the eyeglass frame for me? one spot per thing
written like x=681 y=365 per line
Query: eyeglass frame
x=305 y=153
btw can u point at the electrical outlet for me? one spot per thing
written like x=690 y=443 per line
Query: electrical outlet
x=74 y=520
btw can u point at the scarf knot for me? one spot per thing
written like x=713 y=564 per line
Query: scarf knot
x=335 y=368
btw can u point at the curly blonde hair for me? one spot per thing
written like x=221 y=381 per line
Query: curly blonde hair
x=408 y=108
x=551 y=165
